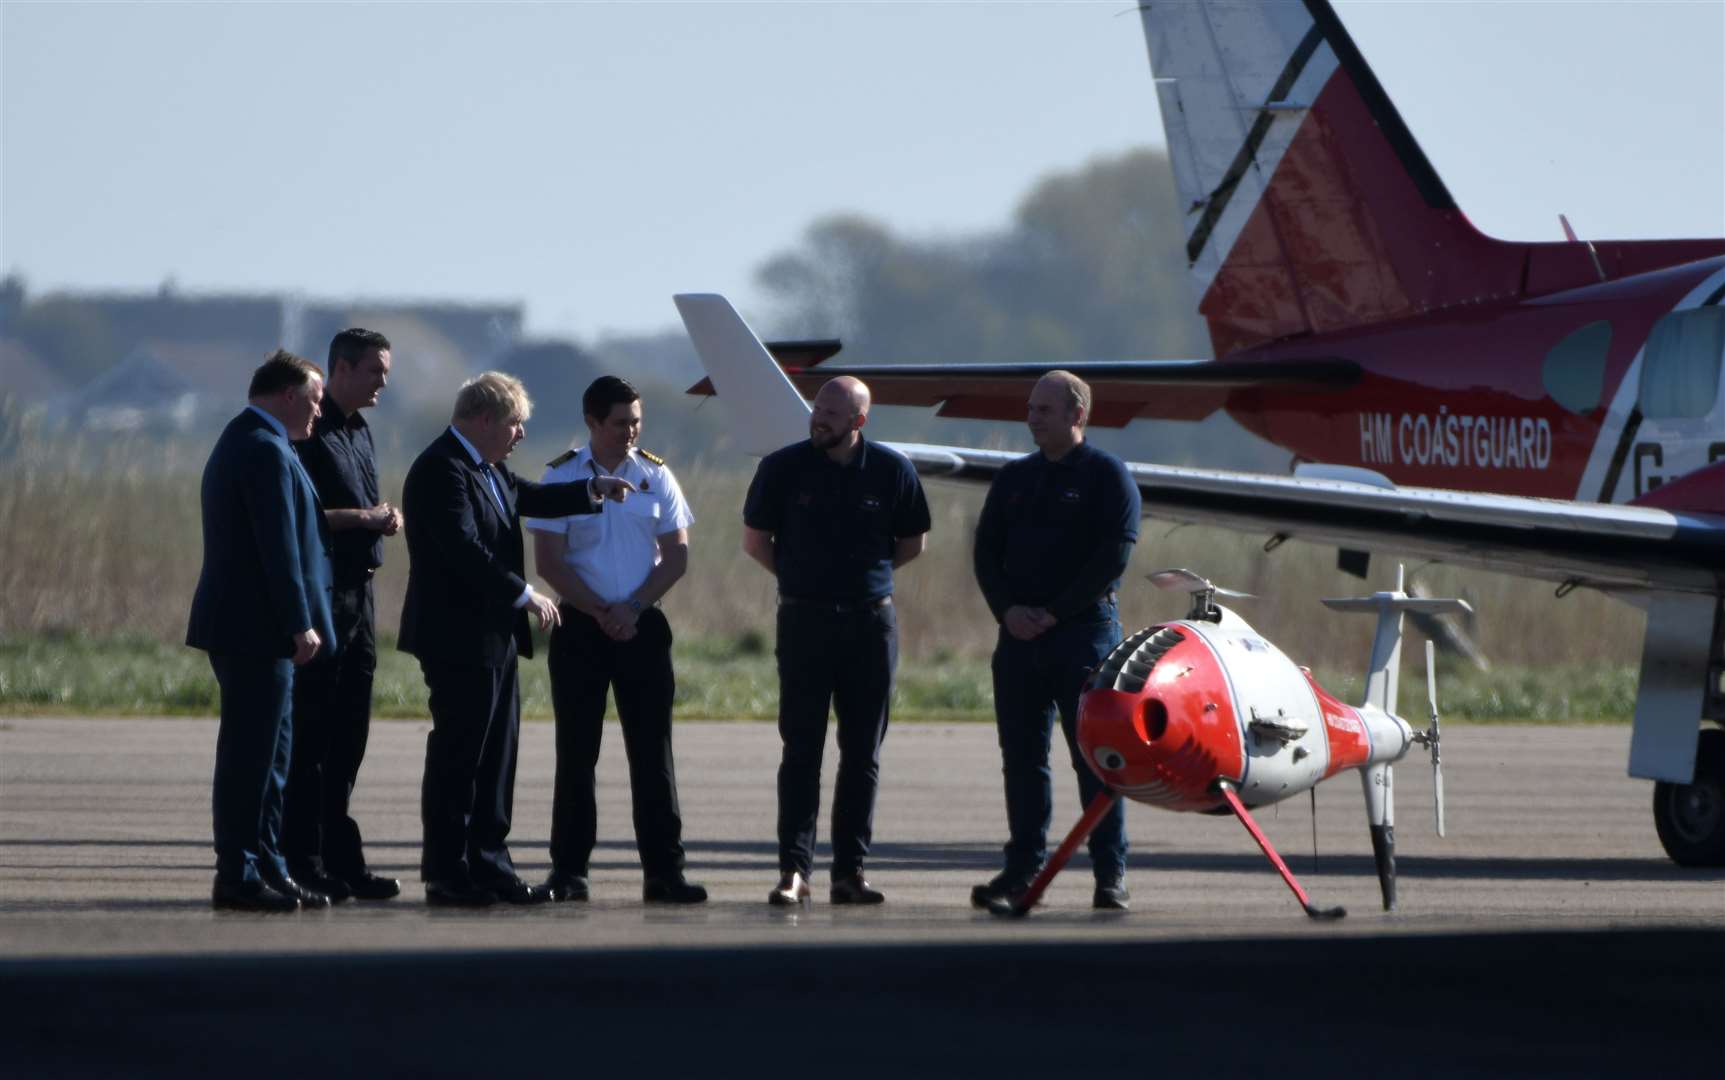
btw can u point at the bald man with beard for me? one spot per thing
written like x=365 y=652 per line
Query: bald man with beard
x=831 y=518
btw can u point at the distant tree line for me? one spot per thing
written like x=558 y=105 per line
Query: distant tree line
x=1091 y=267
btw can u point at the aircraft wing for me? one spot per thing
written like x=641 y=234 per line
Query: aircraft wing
x=1125 y=389
x=1604 y=546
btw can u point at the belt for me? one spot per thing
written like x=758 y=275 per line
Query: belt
x=841 y=607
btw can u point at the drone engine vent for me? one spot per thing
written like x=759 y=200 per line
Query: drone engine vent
x=1128 y=666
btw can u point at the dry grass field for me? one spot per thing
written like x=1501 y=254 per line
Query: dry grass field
x=99 y=541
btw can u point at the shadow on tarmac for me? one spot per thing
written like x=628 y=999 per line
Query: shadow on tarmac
x=1565 y=1003
x=985 y=859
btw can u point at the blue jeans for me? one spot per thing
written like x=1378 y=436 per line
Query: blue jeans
x=1033 y=680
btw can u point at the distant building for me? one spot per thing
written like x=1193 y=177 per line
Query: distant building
x=163 y=358
x=139 y=394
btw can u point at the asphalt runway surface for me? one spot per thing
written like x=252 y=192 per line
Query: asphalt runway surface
x=1547 y=935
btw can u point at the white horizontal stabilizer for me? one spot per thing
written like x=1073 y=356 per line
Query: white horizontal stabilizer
x=765 y=409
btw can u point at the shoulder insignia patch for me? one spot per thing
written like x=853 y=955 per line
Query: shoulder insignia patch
x=562 y=459
x=650 y=456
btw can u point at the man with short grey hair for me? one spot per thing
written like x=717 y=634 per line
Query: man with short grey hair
x=465 y=618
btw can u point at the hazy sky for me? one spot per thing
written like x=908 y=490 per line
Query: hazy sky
x=592 y=159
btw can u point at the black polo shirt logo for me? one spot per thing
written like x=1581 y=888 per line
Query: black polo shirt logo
x=1070 y=495
x=871 y=502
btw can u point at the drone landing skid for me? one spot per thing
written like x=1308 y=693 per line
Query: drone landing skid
x=1239 y=809
x=1093 y=814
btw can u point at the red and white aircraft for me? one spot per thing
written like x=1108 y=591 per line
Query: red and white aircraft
x=1547 y=409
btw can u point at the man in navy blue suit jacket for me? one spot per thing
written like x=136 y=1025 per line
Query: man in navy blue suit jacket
x=261 y=609
x=465 y=618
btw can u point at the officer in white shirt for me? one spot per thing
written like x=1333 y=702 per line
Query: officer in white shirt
x=610 y=570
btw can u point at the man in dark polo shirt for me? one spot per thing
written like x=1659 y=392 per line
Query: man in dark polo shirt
x=332 y=697
x=1056 y=531
x=831 y=518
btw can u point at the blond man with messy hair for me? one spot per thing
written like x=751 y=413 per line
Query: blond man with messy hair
x=495 y=394
x=465 y=618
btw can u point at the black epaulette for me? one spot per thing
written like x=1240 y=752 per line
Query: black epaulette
x=562 y=459
x=650 y=456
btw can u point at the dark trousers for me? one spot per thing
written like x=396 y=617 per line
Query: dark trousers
x=469 y=791
x=331 y=722
x=253 y=746
x=844 y=659
x=1032 y=681
x=585 y=663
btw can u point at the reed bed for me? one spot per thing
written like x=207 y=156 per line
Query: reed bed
x=100 y=541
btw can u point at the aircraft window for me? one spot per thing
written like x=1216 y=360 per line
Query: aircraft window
x=1575 y=368
x=1680 y=371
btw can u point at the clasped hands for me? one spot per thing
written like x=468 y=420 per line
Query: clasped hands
x=385 y=519
x=1028 y=623
x=617 y=620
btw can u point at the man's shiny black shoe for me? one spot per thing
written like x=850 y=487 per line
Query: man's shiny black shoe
x=251 y=896
x=520 y=893
x=1111 y=896
x=458 y=894
x=565 y=888
x=855 y=889
x=672 y=890
x=309 y=899
x=792 y=889
x=315 y=881
x=369 y=886
x=1005 y=888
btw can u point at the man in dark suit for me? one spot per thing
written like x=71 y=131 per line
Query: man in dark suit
x=465 y=618
x=260 y=610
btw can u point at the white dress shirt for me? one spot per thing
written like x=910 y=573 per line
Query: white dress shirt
x=614 y=550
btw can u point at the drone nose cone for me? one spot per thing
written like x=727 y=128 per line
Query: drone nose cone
x=1163 y=743
x=1126 y=735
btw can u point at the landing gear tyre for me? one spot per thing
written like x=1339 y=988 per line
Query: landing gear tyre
x=1690 y=818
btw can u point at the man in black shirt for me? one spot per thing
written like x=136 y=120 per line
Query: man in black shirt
x=831 y=518
x=1056 y=531
x=332 y=695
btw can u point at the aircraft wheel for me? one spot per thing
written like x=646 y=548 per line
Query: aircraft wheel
x=1690 y=818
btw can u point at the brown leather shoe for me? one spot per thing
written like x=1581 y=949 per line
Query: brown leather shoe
x=856 y=890
x=791 y=890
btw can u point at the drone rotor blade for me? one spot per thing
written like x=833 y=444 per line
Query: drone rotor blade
x=1235 y=594
x=1178 y=581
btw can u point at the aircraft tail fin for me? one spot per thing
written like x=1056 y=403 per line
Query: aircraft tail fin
x=765 y=409
x=1309 y=207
